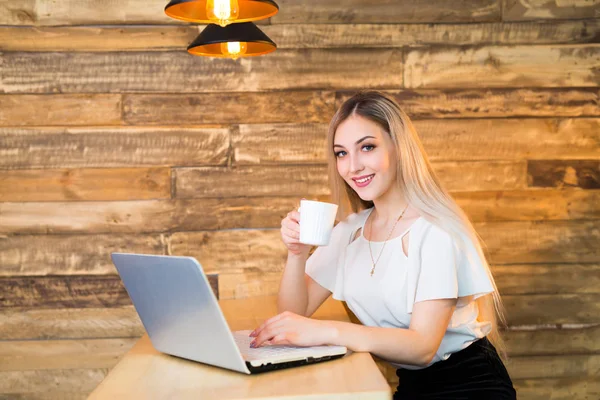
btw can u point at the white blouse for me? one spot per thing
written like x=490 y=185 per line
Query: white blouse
x=433 y=269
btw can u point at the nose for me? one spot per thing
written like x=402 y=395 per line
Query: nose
x=355 y=164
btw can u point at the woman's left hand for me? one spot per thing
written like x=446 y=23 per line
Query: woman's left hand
x=288 y=328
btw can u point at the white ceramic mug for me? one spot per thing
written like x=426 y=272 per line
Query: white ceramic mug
x=316 y=222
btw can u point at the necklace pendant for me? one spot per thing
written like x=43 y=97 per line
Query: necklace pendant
x=372 y=270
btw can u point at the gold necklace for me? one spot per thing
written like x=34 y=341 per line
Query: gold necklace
x=384 y=243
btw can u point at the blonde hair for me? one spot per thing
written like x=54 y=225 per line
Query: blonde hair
x=419 y=184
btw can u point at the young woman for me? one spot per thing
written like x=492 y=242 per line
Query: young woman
x=405 y=259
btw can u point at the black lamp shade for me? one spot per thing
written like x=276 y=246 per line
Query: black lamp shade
x=208 y=43
x=195 y=10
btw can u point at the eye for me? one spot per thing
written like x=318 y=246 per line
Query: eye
x=340 y=153
x=368 y=147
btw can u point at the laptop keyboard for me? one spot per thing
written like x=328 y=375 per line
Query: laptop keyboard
x=243 y=342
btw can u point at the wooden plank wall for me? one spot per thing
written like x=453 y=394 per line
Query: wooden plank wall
x=113 y=138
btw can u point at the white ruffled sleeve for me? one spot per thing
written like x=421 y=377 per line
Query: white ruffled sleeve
x=326 y=264
x=443 y=270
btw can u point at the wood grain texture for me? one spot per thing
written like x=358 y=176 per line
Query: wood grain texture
x=295 y=36
x=543 y=309
x=60 y=110
x=33 y=355
x=143 y=215
x=515 y=10
x=228 y=108
x=107 y=38
x=484 y=103
x=559 y=389
x=70 y=323
x=26 y=255
x=78 y=291
x=73 y=12
x=557 y=371
x=528 y=205
x=443 y=140
x=311 y=180
x=503 y=66
x=382 y=11
x=53 y=383
x=536 y=367
x=177 y=71
x=552 y=341
x=233 y=251
x=564 y=174
x=85 y=184
x=541 y=241
x=249 y=284
x=547 y=278
x=27 y=148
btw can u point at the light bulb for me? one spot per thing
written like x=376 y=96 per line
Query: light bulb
x=222 y=12
x=234 y=49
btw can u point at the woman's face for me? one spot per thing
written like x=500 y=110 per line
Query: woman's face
x=364 y=154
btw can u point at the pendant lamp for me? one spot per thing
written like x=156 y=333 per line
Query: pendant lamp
x=222 y=12
x=233 y=41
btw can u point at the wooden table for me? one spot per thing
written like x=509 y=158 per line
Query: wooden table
x=144 y=373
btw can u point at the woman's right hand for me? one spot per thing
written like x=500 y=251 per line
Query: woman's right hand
x=290 y=234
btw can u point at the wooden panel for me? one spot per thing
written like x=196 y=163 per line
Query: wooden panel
x=252 y=181
x=547 y=278
x=178 y=72
x=85 y=184
x=71 y=254
x=233 y=251
x=580 y=368
x=529 y=205
x=58 y=109
x=31 y=355
x=63 y=291
x=311 y=180
x=217 y=108
x=514 y=66
x=554 y=366
x=552 y=309
x=250 y=284
x=70 y=323
x=553 y=341
x=144 y=216
x=278 y=143
x=81 y=291
x=556 y=173
x=165 y=37
x=352 y=35
x=541 y=241
x=558 y=389
x=111 y=38
x=515 y=10
x=73 y=12
x=24 y=148
x=478 y=103
x=46 y=383
x=382 y=11
x=505 y=139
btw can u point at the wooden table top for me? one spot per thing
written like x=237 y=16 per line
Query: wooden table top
x=144 y=373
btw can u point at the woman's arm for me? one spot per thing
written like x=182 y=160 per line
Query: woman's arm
x=416 y=345
x=298 y=292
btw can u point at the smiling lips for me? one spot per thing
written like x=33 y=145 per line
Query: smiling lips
x=364 y=180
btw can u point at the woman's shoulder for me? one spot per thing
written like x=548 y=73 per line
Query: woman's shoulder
x=354 y=219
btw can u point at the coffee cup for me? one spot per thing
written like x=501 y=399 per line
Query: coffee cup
x=316 y=222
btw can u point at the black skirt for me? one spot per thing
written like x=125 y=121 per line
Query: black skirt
x=476 y=372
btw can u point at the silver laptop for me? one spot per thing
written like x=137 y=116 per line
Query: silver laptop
x=182 y=317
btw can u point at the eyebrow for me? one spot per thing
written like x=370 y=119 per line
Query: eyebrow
x=358 y=141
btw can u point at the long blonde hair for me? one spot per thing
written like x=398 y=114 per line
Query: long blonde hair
x=418 y=183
